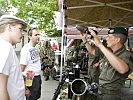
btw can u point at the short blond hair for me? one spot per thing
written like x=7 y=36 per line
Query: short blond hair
x=2 y=28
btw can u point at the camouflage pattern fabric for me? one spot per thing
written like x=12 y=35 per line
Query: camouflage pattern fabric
x=71 y=54
x=47 y=57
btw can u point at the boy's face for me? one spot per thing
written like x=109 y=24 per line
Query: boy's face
x=16 y=33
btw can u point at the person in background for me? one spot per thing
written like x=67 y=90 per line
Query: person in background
x=30 y=61
x=47 y=56
x=11 y=79
x=54 y=47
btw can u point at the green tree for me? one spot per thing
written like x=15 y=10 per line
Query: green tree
x=35 y=12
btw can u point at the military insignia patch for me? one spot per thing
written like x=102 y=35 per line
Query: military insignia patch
x=111 y=31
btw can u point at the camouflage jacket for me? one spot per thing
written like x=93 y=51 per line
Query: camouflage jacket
x=47 y=55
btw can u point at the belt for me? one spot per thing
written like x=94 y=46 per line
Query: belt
x=37 y=76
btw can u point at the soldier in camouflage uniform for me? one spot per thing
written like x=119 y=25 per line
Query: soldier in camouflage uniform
x=47 y=56
x=79 y=55
x=71 y=54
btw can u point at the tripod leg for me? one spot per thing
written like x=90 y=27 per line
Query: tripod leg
x=78 y=98
x=70 y=94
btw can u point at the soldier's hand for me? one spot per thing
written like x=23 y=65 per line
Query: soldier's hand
x=83 y=36
x=95 y=40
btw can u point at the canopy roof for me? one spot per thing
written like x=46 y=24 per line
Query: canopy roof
x=99 y=13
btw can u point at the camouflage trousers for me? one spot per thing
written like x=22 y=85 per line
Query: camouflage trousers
x=46 y=71
x=49 y=72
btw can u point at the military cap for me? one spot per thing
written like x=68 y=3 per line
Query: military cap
x=118 y=30
x=4 y=19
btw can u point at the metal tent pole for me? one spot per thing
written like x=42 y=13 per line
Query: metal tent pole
x=62 y=49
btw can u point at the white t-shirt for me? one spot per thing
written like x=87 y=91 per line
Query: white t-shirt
x=9 y=65
x=30 y=57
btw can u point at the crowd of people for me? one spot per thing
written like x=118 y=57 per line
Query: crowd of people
x=108 y=65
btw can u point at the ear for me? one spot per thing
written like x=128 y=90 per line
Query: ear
x=118 y=40
x=29 y=36
x=9 y=27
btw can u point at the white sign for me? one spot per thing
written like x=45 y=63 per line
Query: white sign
x=58 y=20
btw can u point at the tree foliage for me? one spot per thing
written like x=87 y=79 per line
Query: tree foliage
x=35 y=12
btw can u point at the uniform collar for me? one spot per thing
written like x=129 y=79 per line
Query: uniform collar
x=123 y=48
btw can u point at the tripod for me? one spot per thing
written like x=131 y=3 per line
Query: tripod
x=69 y=75
x=57 y=92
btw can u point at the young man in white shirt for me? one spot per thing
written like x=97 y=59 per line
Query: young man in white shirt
x=11 y=79
x=30 y=61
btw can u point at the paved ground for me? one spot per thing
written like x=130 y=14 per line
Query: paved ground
x=48 y=88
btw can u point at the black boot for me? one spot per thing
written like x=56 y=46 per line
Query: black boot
x=47 y=78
